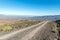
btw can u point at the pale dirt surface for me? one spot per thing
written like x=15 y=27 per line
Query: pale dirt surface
x=40 y=31
x=44 y=33
x=20 y=33
x=30 y=35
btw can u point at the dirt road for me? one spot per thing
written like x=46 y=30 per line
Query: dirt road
x=26 y=33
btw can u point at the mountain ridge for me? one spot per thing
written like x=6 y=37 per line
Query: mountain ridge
x=48 y=17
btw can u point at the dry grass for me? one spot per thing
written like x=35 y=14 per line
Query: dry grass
x=8 y=20
x=17 y=25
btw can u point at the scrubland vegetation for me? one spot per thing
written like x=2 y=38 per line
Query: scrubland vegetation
x=54 y=30
x=17 y=25
x=58 y=26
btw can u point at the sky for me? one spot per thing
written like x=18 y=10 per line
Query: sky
x=30 y=7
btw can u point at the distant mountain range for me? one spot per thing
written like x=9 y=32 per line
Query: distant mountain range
x=54 y=17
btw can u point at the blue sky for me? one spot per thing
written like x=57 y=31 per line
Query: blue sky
x=30 y=7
